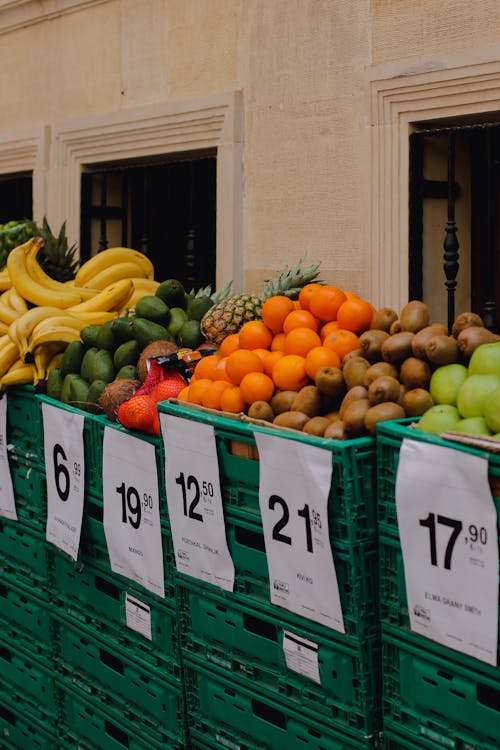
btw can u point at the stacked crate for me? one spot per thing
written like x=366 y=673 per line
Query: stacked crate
x=433 y=697
x=240 y=692
x=28 y=707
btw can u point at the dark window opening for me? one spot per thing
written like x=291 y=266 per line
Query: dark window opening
x=16 y=197
x=166 y=209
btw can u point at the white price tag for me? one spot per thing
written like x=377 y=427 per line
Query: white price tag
x=7 y=500
x=301 y=655
x=65 y=471
x=138 y=616
x=295 y=481
x=195 y=501
x=131 y=512
x=448 y=528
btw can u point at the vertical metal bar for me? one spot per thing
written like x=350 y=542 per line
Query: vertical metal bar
x=415 y=239
x=125 y=200
x=144 y=239
x=489 y=307
x=450 y=244
x=103 y=242
x=191 y=234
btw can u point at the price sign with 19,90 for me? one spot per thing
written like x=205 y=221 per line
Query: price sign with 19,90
x=131 y=512
x=7 y=500
x=195 y=501
x=294 y=487
x=65 y=471
x=448 y=528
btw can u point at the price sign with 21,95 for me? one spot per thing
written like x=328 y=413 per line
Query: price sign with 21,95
x=448 y=528
x=131 y=513
x=65 y=471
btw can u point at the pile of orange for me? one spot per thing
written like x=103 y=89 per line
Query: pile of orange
x=283 y=351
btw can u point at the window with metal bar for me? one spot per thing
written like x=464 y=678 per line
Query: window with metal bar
x=16 y=197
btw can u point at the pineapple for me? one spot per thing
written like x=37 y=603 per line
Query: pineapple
x=56 y=258
x=228 y=315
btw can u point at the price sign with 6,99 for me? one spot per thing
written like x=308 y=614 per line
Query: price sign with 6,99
x=294 y=486
x=65 y=470
x=7 y=500
x=131 y=512
x=448 y=528
x=195 y=501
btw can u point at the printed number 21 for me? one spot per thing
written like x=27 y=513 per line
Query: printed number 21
x=275 y=500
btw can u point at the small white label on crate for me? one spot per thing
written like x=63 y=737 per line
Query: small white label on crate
x=195 y=501
x=7 y=500
x=138 y=616
x=448 y=528
x=295 y=480
x=65 y=471
x=301 y=655
x=131 y=512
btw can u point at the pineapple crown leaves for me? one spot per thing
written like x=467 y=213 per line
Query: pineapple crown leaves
x=290 y=281
x=221 y=294
x=56 y=258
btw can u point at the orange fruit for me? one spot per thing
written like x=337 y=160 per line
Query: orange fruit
x=318 y=357
x=220 y=370
x=289 y=372
x=325 y=302
x=278 y=342
x=197 y=389
x=342 y=342
x=274 y=311
x=256 y=386
x=183 y=395
x=212 y=394
x=232 y=401
x=229 y=344
x=170 y=387
x=262 y=353
x=270 y=361
x=328 y=327
x=139 y=413
x=254 y=334
x=301 y=340
x=240 y=363
x=305 y=294
x=300 y=319
x=355 y=314
x=205 y=367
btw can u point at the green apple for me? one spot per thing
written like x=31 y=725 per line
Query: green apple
x=491 y=411
x=445 y=383
x=439 y=418
x=474 y=394
x=485 y=360
x=473 y=426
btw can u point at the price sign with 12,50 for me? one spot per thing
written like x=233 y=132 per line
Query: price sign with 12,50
x=195 y=501
x=65 y=470
x=7 y=500
x=294 y=487
x=131 y=512
x=448 y=528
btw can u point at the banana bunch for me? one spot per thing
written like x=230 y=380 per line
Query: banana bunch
x=39 y=316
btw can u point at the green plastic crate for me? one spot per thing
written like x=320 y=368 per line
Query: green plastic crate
x=30 y=492
x=222 y=709
x=25 y=551
x=24 y=423
x=353 y=494
x=25 y=615
x=428 y=695
x=21 y=671
x=395 y=739
x=21 y=727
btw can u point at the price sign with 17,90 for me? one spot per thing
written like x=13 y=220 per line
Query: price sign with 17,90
x=195 y=501
x=295 y=480
x=7 y=500
x=448 y=528
x=131 y=512
x=65 y=471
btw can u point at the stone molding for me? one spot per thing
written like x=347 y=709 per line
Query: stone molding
x=17 y=14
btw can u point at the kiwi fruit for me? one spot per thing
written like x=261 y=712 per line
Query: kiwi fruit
x=330 y=381
x=414 y=316
x=359 y=391
x=354 y=417
x=422 y=337
x=383 y=318
x=442 y=350
x=465 y=320
x=332 y=415
x=316 y=426
x=470 y=338
x=282 y=401
x=382 y=413
x=416 y=402
x=261 y=410
x=415 y=373
x=295 y=420
x=308 y=401
x=370 y=343
x=335 y=431
x=354 y=370
x=397 y=347
x=385 y=388
x=352 y=355
x=395 y=327
x=378 y=369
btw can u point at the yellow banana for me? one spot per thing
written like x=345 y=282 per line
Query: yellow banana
x=7 y=314
x=30 y=289
x=111 y=298
x=56 y=333
x=5 y=281
x=148 y=286
x=43 y=355
x=96 y=318
x=114 y=273
x=110 y=257
x=9 y=353
x=15 y=301
x=4 y=328
x=25 y=324
x=18 y=376
x=132 y=300
x=55 y=361
x=37 y=273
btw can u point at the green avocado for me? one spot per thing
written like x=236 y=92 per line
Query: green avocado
x=198 y=306
x=72 y=358
x=126 y=354
x=172 y=293
x=190 y=334
x=54 y=383
x=153 y=308
x=145 y=331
